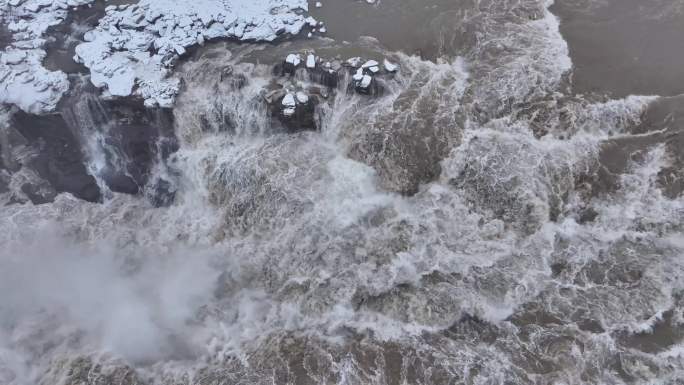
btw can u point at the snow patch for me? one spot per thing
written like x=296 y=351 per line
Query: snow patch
x=24 y=81
x=134 y=48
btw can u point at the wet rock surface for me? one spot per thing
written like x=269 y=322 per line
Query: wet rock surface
x=139 y=139
x=123 y=140
x=133 y=141
x=308 y=80
x=296 y=113
x=5 y=36
x=54 y=154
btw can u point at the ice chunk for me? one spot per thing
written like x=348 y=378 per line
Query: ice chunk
x=370 y=63
x=365 y=81
x=289 y=100
x=311 y=61
x=358 y=76
x=293 y=59
x=389 y=66
x=311 y=22
x=302 y=97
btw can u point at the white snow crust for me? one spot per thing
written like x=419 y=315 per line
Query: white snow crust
x=24 y=81
x=133 y=49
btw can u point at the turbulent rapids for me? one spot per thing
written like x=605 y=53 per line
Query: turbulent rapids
x=458 y=205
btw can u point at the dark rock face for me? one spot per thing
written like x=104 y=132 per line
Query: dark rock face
x=5 y=36
x=284 y=69
x=141 y=137
x=133 y=139
x=316 y=75
x=56 y=158
x=324 y=77
x=4 y=181
x=55 y=150
x=372 y=88
x=327 y=78
x=39 y=193
x=304 y=117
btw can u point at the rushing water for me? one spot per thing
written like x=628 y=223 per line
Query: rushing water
x=493 y=216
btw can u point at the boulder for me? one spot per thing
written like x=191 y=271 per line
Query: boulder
x=297 y=112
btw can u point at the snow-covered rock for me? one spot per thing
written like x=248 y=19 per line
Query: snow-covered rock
x=302 y=97
x=370 y=63
x=24 y=81
x=358 y=75
x=313 y=23
x=134 y=47
x=354 y=61
x=365 y=81
x=311 y=61
x=293 y=59
x=289 y=101
x=389 y=66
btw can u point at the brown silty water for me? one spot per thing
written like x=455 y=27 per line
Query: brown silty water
x=622 y=48
x=501 y=230
x=347 y=22
x=423 y=28
x=625 y=47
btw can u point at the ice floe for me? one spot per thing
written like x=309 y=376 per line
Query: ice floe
x=310 y=61
x=293 y=59
x=389 y=66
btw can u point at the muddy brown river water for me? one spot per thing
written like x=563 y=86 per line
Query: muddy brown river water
x=507 y=208
x=625 y=47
